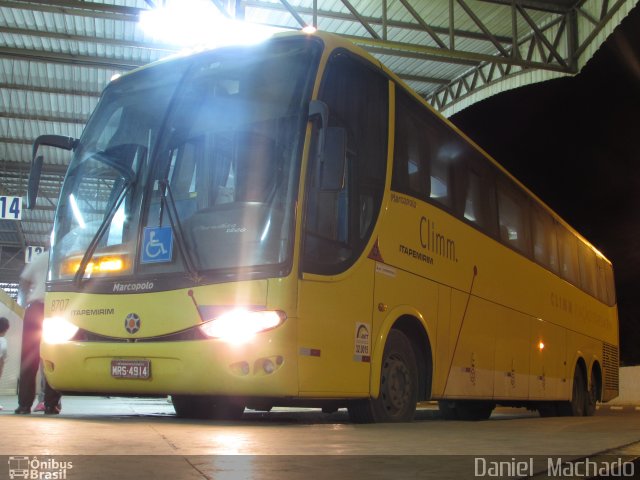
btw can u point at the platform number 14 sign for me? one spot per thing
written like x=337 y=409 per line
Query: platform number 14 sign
x=10 y=208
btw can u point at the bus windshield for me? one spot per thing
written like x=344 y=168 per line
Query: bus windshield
x=189 y=165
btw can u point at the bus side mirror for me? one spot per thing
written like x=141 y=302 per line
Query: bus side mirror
x=333 y=160
x=58 y=141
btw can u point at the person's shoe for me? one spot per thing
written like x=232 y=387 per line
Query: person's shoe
x=39 y=407
x=51 y=410
x=22 y=410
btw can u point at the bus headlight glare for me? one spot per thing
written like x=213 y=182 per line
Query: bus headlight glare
x=57 y=330
x=240 y=326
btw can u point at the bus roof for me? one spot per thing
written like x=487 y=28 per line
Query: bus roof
x=332 y=42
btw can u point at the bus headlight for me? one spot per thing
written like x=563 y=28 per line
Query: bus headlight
x=57 y=330
x=239 y=326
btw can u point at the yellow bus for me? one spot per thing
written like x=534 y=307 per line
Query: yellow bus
x=289 y=224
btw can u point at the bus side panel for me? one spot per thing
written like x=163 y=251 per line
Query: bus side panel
x=473 y=340
x=548 y=379
x=444 y=345
x=334 y=324
x=512 y=368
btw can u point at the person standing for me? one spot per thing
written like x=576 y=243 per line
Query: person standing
x=33 y=281
x=4 y=326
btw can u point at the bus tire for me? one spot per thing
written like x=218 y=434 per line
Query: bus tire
x=398 y=395
x=206 y=407
x=576 y=406
x=592 y=396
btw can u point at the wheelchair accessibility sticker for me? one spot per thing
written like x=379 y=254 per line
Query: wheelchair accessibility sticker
x=157 y=245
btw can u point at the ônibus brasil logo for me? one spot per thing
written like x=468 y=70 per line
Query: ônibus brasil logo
x=38 y=469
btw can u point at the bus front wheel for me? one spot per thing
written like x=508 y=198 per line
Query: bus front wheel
x=398 y=394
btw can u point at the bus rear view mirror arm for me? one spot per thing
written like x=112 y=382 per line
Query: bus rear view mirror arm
x=34 y=181
x=58 y=141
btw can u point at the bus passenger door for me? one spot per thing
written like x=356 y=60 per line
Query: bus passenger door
x=343 y=193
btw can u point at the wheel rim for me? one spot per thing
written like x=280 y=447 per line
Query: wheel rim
x=396 y=384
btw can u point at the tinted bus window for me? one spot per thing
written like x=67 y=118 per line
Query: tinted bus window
x=412 y=152
x=588 y=276
x=475 y=194
x=545 y=242
x=442 y=164
x=512 y=217
x=568 y=248
x=610 y=284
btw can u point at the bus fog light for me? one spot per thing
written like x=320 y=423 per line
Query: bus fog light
x=240 y=368
x=268 y=366
x=57 y=330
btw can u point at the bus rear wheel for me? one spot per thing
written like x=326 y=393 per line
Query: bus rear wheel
x=577 y=405
x=592 y=396
x=398 y=395
x=207 y=407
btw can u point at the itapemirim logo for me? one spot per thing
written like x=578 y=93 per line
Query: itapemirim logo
x=38 y=469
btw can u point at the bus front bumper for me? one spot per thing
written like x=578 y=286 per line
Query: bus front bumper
x=263 y=368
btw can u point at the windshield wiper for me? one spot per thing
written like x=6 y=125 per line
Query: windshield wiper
x=88 y=255
x=176 y=226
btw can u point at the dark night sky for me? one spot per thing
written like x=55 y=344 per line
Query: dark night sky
x=575 y=142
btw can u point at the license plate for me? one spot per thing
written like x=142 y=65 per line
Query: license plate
x=137 y=369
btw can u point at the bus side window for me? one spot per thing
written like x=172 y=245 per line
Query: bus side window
x=412 y=151
x=475 y=194
x=512 y=217
x=587 y=262
x=442 y=164
x=568 y=247
x=545 y=242
x=610 y=284
x=601 y=266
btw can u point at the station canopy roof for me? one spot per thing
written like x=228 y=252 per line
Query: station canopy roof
x=56 y=56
